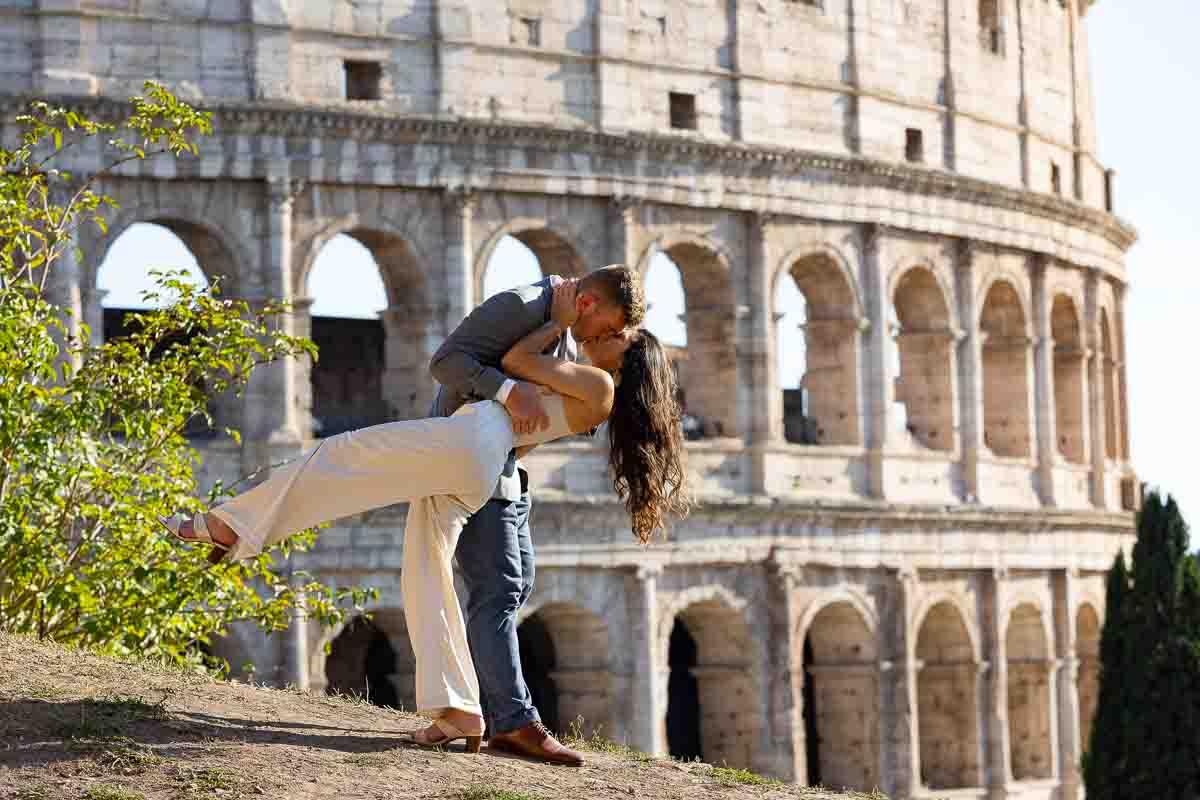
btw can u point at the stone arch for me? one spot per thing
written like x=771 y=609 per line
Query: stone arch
x=410 y=325
x=579 y=665
x=708 y=367
x=1087 y=652
x=930 y=601
x=1070 y=396
x=208 y=240
x=1110 y=389
x=839 y=683
x=371 y=658
x=557 y=253
x=834 y=320
x=1005 y=356
x=947 y=662
x=1027 y=643
x=925 y=339
x=724 y=676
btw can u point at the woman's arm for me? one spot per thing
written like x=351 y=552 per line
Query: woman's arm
x=525 y=361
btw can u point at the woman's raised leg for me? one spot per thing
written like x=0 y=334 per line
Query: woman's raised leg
x=370 y=468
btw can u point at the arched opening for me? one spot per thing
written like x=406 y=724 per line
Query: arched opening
x=538 y=662
x=707 y=361
x=946 y=709
x=1029 y=695
x=511 y=264
x=665 y=309
x=1087 y=650
x=569 y=652
x=371 y=320
x=1069 y=408
x=683 y=696
x=1108 y=376
x=347 y=298
x=818 y=369
x=123 y=279
x=726 y=684
x=991 y=26
x=365 y=661
x=924 y=339
x=841 y=709
x=1006 y=396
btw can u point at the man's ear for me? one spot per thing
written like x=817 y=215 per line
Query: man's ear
x=584 y=302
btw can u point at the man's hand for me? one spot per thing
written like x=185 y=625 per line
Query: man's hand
x=524 y=405
x=562 y=306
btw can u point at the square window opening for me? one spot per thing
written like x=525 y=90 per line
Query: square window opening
x=683 y=111
x=914 y=145
x=533 y=31
x=363 y=80
x=1055 y=178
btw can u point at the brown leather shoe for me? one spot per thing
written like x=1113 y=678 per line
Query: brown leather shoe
x=534 y=741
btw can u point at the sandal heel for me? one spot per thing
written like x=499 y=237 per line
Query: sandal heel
x=473 y=743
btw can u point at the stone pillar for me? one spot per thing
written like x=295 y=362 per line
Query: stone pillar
x=271 y=57
x=612 y=93
x=408 y=347
x=648 y=699
x=747 y=62
x=879 y=384
x=1095 y=381
x=761 y=418
x=999 y=753
x=948 y=99
x=899 y=751
x=458 y=215
x=91 y=300
x=1044 y=417
x=784 y=700
x=858 y=37
x=1065 y=698
x=269 y=418
x=63 y=282
x=622 y=228
x=1122 y=389
x=295 y=664
x=970 y=369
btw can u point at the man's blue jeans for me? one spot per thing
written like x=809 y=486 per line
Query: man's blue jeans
x=495 y=557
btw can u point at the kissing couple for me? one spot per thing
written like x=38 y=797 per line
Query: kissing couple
x=510 y=379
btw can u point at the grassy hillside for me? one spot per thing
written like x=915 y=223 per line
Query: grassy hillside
x=75 y=725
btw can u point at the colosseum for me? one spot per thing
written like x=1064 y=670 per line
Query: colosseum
x=895 y=574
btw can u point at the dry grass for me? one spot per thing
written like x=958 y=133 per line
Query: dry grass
x=74 y=725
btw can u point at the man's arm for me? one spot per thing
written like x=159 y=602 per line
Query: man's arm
x=468 y=362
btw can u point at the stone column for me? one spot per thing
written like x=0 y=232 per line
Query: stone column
x=859 y=44
x=647 y=717
x=1065 y=585
x=91 y=300
x=747 y=62
x=999 y=753
x=295 y=661
x=269 y=418
x=1095 y=381
x=759 y=398
x=1045 y=422
x=878 y=384
x=1122 y=389
x=612 y=94
x=623 y=213
x=458 y=215
x=970 y=369
x=899 y=751
x=271 y=57
x=408 y=347
x=784 y=699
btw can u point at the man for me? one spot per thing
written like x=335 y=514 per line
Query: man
x=495 y=551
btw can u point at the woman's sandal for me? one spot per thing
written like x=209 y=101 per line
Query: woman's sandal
x=200 y=534
x=449 y=734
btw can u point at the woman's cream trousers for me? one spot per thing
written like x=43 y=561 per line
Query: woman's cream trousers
x=446 y=469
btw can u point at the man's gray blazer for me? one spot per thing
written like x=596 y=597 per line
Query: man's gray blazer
x=467 y=365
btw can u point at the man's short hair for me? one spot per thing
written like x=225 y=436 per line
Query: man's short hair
x=621 y=285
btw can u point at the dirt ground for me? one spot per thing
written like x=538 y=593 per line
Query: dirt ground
x=74 y=725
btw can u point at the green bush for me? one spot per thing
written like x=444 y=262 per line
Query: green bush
x=92 y=442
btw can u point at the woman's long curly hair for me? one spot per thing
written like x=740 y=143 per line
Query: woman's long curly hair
x=645 y=437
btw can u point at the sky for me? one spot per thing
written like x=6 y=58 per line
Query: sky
x=1145 y=68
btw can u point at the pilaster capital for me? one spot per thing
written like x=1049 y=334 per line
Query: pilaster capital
x=1000 y=575
x=648 y=572
x=625 y=203
x=873 y=233
x=790 y=576
x=965 y=251
x=907 y=577
x=282 y=190
x=763 y=221
x=459 y=198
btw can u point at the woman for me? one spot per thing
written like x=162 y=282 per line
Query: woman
x=446 y=469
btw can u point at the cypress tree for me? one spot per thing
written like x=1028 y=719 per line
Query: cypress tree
x=1103 y=762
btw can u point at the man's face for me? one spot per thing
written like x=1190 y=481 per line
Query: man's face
x=598 y=317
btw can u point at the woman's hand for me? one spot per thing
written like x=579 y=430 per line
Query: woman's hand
x=562 y=307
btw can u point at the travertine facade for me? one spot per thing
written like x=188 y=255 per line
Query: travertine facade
x=912 y=602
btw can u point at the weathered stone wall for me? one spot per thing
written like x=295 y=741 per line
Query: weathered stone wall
x=914 y=600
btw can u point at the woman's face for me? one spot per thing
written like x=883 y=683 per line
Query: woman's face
x=608 y=352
